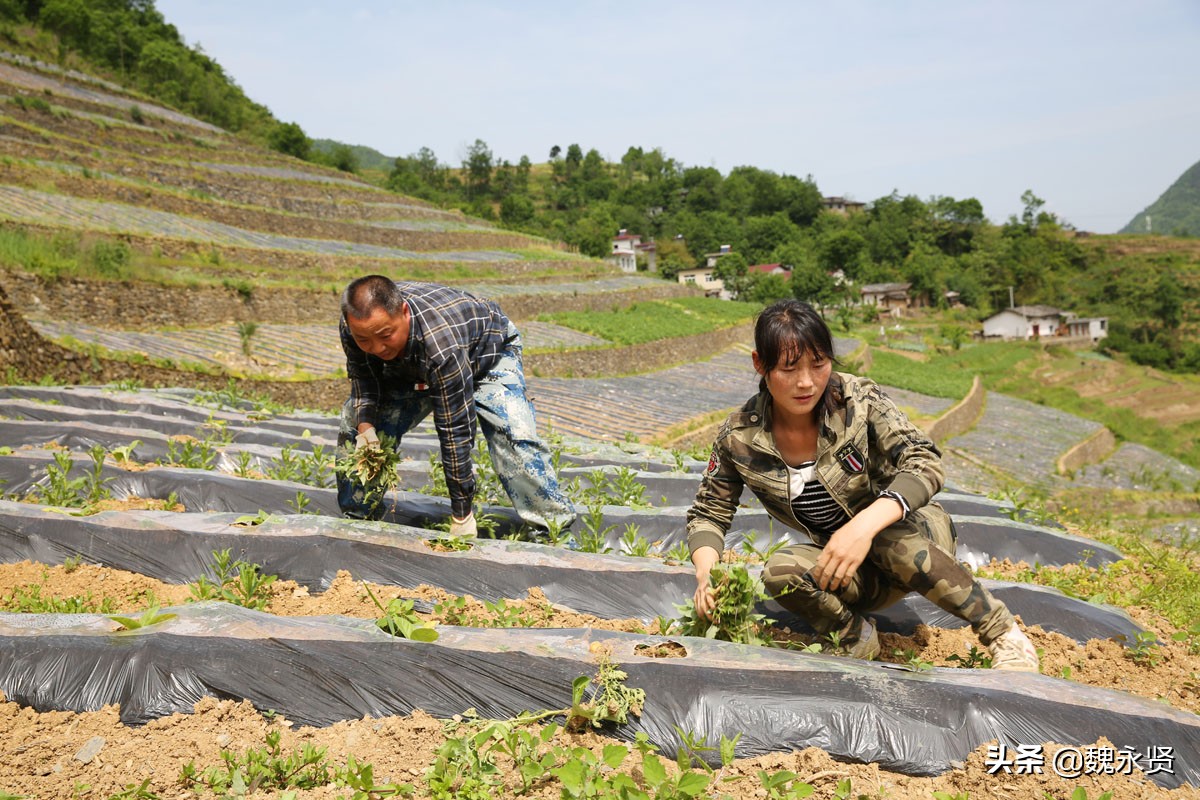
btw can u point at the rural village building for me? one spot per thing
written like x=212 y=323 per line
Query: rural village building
x=771 y=269
x=891 y=298
x=705 y=278
x=1035 y=322
x=840 y=205
x=626 y=247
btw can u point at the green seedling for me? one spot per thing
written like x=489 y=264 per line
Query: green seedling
x=634 y=545
x=679 y=554
x=1145 y=649
x=124 y=454
x=399 y=619
x=238 y=582
x=976 y=658
x=300 y=503
x=252 y=520
x=149 y=617
x=910 y=659
x=28 y=600
x=783 y=785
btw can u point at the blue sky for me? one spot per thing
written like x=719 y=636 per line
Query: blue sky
x=1095 y=106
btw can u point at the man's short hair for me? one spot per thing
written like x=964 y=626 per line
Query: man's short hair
x=365 y=294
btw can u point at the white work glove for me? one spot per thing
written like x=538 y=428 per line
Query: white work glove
x=463 y=528
x=367 y=438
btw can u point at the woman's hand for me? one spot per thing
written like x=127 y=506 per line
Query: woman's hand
x=705 y=600
x=845 y=551
x=841 y=558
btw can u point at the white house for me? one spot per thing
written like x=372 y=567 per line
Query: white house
x=1094 y=328
x=705 y=278
x=1023 y=322
x=624 y=250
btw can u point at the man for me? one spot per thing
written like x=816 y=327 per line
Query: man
x=412 y=348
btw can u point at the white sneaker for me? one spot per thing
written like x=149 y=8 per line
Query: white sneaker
x=1012 y=650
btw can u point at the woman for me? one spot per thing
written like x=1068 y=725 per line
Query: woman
x=829 y=454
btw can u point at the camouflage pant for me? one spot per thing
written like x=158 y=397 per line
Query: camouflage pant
x=914 y=555
x=520 y=457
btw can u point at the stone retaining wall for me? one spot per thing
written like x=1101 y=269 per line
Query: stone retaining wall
x=136 y=306
x=26 y=356
x=961 y=416
x=1091 y=450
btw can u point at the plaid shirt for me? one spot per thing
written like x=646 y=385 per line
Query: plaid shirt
x=455 y=338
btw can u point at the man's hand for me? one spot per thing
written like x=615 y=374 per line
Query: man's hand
x=463 y=528
x=366 y=438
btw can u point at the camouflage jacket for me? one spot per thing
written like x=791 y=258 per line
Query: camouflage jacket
x=866 y=446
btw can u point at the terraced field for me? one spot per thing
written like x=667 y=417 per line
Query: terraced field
x=218 y=650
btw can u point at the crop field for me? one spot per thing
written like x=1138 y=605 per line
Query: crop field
x=249 y=562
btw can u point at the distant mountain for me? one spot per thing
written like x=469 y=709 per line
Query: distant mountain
x=365 y=157
x=1176 y=212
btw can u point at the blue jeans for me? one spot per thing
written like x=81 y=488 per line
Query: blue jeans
x=521 y=460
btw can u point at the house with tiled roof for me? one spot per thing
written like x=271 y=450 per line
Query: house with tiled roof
x=891 y=298
x=1035 y=322
x=771 y=269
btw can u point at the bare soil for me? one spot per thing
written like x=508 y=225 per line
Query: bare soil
x=42 y=751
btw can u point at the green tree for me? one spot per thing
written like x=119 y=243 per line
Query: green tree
x=765 y=288
x=1169 y=301
x=289 y=138
x=766 y=234
x=731 y=269
x=672 y=256
x=478 y=169
x=516 y=210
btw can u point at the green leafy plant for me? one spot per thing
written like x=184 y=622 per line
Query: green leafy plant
x=634 y=545
x=910 y=659
x=124 y=453
x=246 y=331
x=238 y=582
x=733 y=619
x=28 y=599
x=300 y=503
x=253 y=520
x=399 y=619
x=190 y=453
x=269 y=768
x=975 y=658
x=1144 y=649
x=593 y=537
x=148 y=617
x=373 y=468
x=783 y=785
x=60 y=489
x=750 y=546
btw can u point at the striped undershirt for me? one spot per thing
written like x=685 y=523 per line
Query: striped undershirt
x=811 y=503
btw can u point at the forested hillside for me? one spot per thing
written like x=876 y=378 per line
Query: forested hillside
x=1176 y=212
x=1145 y=285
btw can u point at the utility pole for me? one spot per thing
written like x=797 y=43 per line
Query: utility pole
x=1011 y=304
